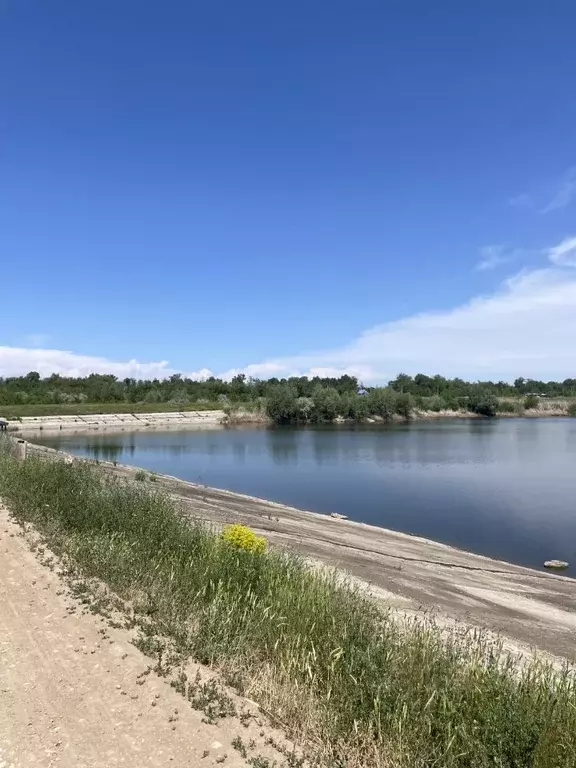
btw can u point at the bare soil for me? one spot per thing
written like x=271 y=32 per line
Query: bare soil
x=70 y=691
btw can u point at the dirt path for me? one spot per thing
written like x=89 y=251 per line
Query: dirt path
x=70 y=698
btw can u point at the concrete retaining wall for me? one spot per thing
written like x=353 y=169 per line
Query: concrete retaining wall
x=176 y=420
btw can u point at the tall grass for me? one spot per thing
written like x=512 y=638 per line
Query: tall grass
x=358 y=686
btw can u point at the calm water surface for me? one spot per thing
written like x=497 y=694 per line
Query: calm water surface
x=502 y=488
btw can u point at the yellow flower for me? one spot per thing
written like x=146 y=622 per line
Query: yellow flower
x=244 y=538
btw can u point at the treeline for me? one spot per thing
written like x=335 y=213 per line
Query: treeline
x=106 y=388
x=284 y=405
x=296 y=399
x=450 y=390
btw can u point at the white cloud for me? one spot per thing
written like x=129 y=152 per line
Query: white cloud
x=526 y=327
x=15 y=361
x=564 y=254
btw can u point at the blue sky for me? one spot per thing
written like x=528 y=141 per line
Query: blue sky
x=288 y=187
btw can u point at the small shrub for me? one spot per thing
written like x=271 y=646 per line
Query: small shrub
x=531 y=402
x=483 y=403
x=404 y=405
x=572 y=410
x=434 y=404
x=239 y=745
x=140 y=476
x=244 y=538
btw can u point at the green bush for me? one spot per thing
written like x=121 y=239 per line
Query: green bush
x=355 y=406
x=572 y=409
x=305 y=407
x=434 y=404
x=382 y=403
x=282 y=404
x=531 y=402
x=484 y=403
x=327 y=403
x=404 y=405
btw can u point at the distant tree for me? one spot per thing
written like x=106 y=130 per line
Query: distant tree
x=404 y=405
x=153 y=396
x=382 y=402
x=327 y=403
x=282 y=404
x=305 y=407
x=402 y=383
x=238 y=388
x=355 y=406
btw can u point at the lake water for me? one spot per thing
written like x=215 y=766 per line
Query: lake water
x=505 y=488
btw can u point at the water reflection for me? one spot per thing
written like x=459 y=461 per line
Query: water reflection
x=504 y=488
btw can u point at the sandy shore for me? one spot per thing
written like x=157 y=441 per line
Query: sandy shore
x=533 y=609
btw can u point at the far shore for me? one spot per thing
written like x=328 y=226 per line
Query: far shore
x=209 y=419
x=532 y=609
x=117 y=422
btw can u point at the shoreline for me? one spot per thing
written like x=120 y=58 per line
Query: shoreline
x=120 y=422
x=533 y=609
x=117 y=421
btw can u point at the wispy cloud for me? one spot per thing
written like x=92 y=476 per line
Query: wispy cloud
x=492 y=256
x=548 y=197
x=526 y=327
x=564 y=194
x=563 y=254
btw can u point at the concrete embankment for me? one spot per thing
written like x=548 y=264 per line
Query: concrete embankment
x=117 y=421
x=530 y=608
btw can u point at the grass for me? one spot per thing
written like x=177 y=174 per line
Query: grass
x=337 y=672
x=14 y=412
